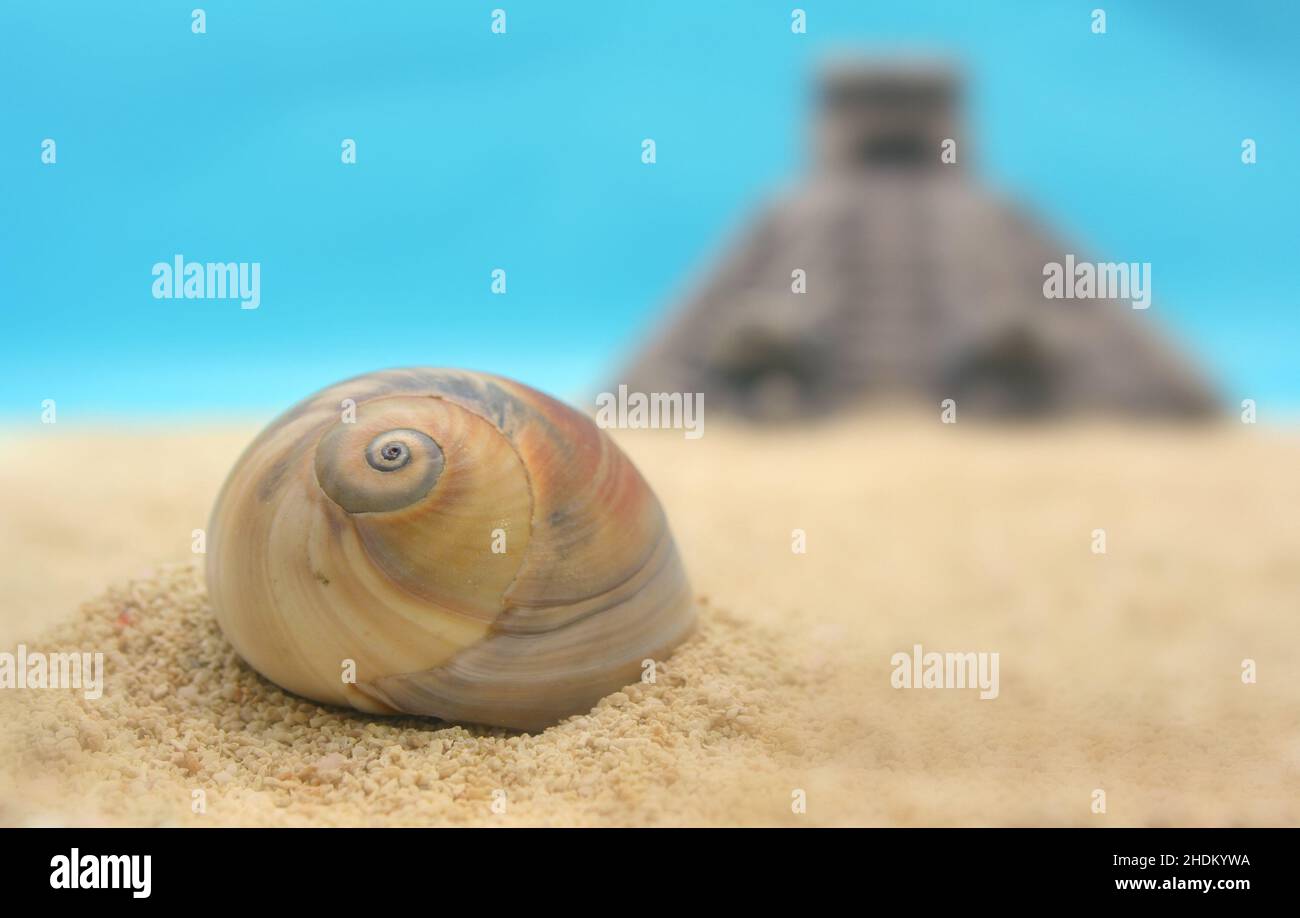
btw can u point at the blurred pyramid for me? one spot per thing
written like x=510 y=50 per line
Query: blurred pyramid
x=920 y=283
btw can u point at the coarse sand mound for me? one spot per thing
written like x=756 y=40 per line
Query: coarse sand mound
x=1121 y=671
x=181 y=713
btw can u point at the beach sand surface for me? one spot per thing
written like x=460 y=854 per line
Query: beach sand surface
x=1118 y=672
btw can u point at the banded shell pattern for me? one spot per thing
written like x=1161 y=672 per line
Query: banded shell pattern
x=476 y=550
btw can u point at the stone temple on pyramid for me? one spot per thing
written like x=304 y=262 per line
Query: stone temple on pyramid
x=920 y=284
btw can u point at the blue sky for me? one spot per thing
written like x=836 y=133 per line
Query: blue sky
x=522 y=151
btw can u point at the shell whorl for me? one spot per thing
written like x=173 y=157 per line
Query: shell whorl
x=411 y=459
x=478 y=550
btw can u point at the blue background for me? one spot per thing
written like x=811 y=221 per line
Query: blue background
x=522 y=151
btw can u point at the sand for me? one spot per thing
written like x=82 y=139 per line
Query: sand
x=1119 y=671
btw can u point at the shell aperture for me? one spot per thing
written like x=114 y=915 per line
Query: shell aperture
x=478 y=551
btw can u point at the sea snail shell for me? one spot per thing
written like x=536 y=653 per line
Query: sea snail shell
x=371 y=539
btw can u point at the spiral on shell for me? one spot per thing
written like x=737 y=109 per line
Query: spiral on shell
x=467 y=547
